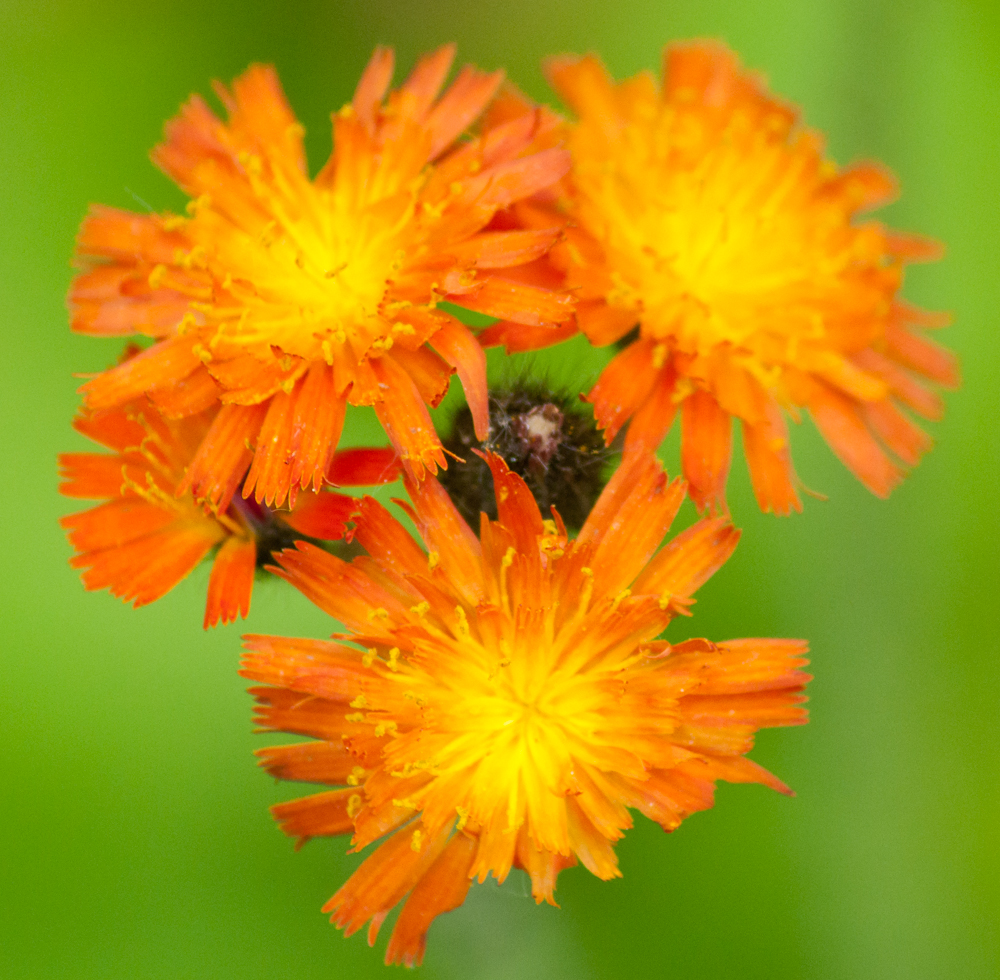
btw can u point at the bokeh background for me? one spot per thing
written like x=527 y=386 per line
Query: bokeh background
x=134 y=834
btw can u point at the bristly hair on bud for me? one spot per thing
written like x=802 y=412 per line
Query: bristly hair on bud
x=545 y=436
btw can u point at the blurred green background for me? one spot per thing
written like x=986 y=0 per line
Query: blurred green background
x=134 y=835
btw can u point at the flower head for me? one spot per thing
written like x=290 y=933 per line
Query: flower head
x=505 y=701
x=145 y=537
x=706 y=215
x=284 y=298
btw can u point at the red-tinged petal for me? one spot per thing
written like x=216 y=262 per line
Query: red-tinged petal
x=364 y=467
x=373 y=85
x=521 y=303
x=908 y=441
x=308 y=762
x=839 y=422
x=922 y=356
x=165 y=363
x=405 y=419
x=195 y=393
x=516 y=507
x=690 y=559
x=459 y=348
x=624 y=387
x=440 y=890
x=90 y=476
x=320 y=815
x=769 y=461
x=322 y=515
x=222 y=458
x=460 y=106
x=231 y=582
x=706 y=449
x=517 y=337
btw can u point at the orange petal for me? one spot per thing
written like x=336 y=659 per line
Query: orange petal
x=446 y=534
x=654 y=419
x=308 y=762
x=320 y=667
x=629 y=521
x=116 y=522
x=222 y=458
x=507 y=299
x=839 y=421
x=317 y=421
x=459 y=348
x=91 y=476
x=460 y=106
x=921 y=355
x=706 y=449
x=501 y=249
x=195 y=393
x=231 y=582
x=144 y=569
x=440 y=890
x=604 y=324
x=384 y=538
x=427 y=370
x=123 y=235
x=908 y=441
x=373 y=85
x=426 y=79
x=383 y=879
x=517 y=510
x=405 y=419
x=319 y=815
x=165 y=363
x=623 y=387
x=690 y=559
x=770 y=464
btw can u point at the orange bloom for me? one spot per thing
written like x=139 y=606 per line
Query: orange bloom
x=708 y=216
x=506 y=700
x=145 y=537
x=284 y=299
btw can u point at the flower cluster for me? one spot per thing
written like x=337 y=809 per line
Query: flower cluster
x=503 y=692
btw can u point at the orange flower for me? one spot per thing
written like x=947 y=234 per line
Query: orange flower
x=706 y=215
x=510 y=702
x=284 y=298
x=145 y=537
